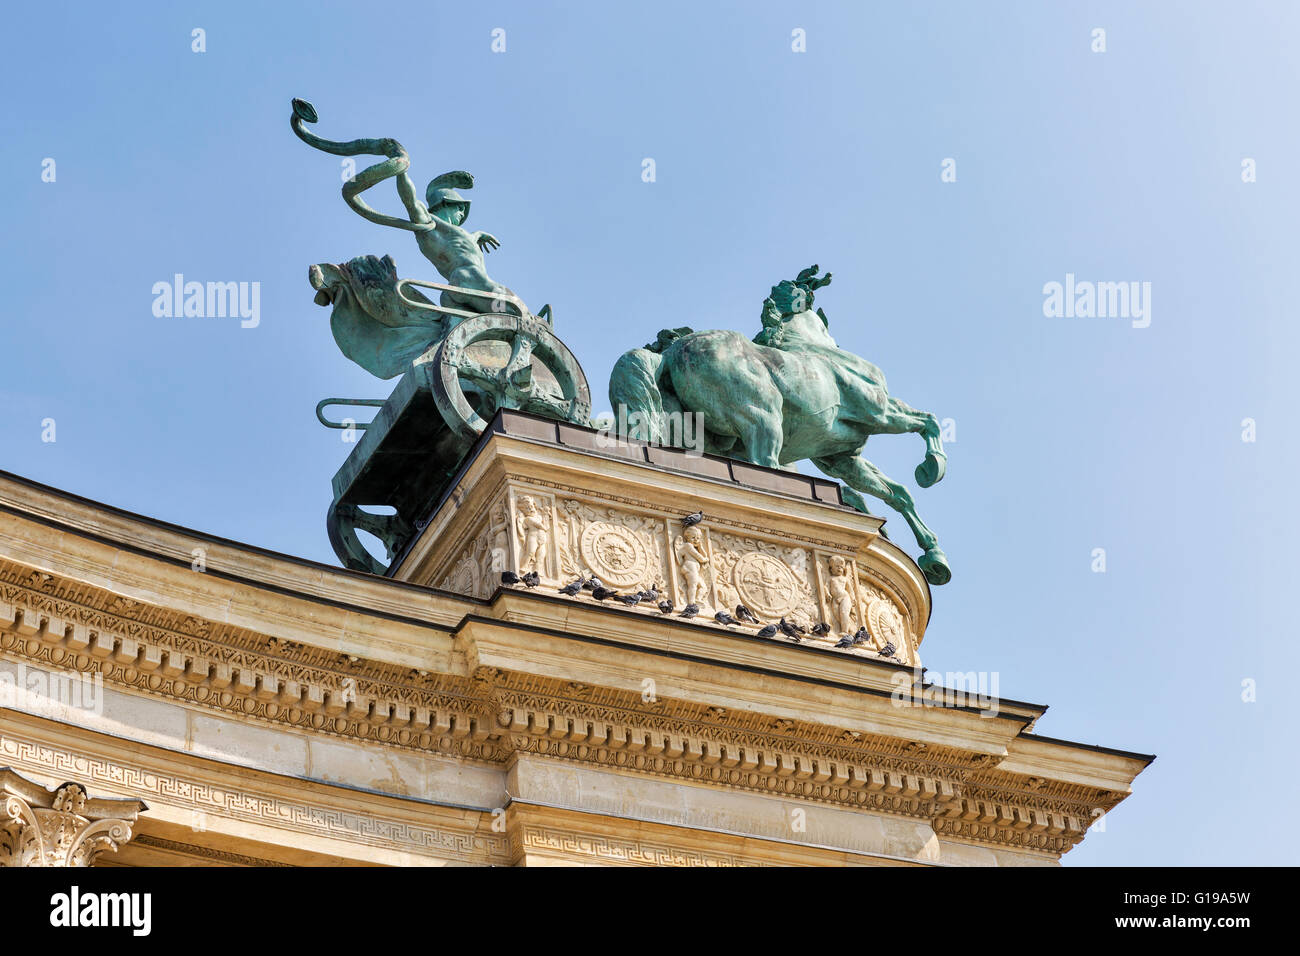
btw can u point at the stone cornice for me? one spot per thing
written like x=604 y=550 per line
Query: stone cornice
x=583 y=619
x=107 y=545
x=491 y=713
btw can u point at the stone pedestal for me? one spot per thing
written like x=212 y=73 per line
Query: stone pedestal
x=566 y=502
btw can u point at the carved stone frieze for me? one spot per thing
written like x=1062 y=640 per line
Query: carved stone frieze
x=533 y=525
x=695 y=564
x=477 y=566
x=625 y=550
x=771 y=579
x=563 y=532
x=613 y=851
x=239 y=803
x=842 y=611
x=890 y=636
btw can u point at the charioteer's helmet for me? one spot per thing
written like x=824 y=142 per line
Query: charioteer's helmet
x=442 y=190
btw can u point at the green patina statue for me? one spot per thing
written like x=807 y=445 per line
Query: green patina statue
x=377 y=321
x=790 y=394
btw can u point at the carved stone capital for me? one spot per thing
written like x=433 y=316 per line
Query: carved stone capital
x=63 y=827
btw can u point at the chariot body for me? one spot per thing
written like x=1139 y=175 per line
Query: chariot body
x=457 y=367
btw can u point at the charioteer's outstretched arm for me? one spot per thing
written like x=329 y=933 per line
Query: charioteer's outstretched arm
x=395 y=165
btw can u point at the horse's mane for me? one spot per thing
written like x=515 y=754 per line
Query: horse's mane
x=788 y=298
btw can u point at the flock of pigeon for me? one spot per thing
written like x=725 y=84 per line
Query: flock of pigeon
x=743 y=615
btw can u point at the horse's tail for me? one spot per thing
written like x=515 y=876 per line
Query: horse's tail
x=634 y=385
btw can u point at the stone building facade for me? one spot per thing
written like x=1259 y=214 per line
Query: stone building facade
x=171 y=698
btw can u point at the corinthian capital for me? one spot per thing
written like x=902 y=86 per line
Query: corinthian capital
x=63 y=827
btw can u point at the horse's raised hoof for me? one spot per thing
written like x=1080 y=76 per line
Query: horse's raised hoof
x=931 y=470
x=934 y=564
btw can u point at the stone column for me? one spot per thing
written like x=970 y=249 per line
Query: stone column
x=63 y=827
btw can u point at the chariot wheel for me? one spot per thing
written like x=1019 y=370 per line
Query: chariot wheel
x=471 y=376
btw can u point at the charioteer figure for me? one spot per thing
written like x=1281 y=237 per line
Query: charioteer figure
x=379 y=321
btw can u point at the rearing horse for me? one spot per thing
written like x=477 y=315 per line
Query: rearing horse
x=789 y=395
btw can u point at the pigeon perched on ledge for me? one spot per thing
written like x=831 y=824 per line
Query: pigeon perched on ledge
x=790 y=630
x=531 y=580
x=821 y=629
x=572 y=588
x=888 y=649
x=769 y=631
x=690 y=610
x=852 y=640
x=602 y=593
x=693 y=519
x=665 y=607
x=509 y=577
x=745 y=614
x=630 y=599
x=722 y=617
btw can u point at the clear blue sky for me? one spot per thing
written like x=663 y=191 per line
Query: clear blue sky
x=1072 y=434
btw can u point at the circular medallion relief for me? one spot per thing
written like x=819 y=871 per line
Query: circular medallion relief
x=615 y=553
x=766 y=585
x=886 y=626
x=462 y=578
